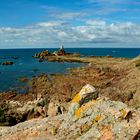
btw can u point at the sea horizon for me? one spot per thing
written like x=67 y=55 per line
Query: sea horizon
x=71 y=47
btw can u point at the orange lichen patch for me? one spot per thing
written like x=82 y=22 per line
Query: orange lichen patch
x=106 y=133
x=84 y=107
x=78 y=112
x=96 y=119
x=76 y=98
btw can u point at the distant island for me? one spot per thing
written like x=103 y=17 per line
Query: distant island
x=62 y=56
x=59 y=55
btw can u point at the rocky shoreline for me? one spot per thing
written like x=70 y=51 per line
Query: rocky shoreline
x=51 y=97
x=89 y=117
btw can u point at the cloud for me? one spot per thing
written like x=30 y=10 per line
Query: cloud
x=104 y=1
x=107 y=2
x=93 y=31
x=58 y=13
x=106 y=7
x=96 y=22
x=52 y=24
x=68 y=15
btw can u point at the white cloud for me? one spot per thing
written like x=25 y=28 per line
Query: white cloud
x=58 y=32
x=107 y=7
x=96 y=22
x=105 y=1
x=51 y=24
x=58 y=13
x=68 y=15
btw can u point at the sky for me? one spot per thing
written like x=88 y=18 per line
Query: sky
x=74 y=23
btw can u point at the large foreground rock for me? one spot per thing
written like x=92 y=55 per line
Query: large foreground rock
x=96 y=119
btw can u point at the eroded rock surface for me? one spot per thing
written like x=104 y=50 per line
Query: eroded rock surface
x=96 y=119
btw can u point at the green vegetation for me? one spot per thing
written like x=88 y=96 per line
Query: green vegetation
x=2 y=116
x=138 y=64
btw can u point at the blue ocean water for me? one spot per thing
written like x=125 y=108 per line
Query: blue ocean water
x=25 y=65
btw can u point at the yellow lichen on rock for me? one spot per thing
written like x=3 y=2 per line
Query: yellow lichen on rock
x=83 y=108
x=125 y=112
x=84 y=91
x=78 y=112
x=97 y=118
x=76 y=98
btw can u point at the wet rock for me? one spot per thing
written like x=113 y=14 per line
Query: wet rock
x=23 y=79
x=42 y=54
x=14 y=57
x=40 y=60
x=35 y=70
x=7 y=63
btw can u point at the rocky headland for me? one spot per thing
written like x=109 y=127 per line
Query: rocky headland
x=98 y=101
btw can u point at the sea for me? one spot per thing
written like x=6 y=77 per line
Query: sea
x=27 y=66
